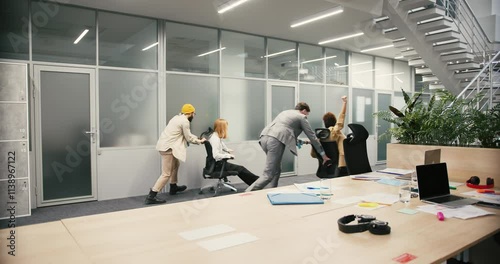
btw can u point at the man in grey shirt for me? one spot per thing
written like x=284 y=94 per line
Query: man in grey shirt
x=280 y=134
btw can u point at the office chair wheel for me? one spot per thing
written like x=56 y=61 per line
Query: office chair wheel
x=200 y=192
x=212 y=189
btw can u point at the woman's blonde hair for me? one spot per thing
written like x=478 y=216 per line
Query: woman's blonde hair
x=220 y=126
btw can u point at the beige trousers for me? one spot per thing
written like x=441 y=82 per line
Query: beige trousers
x=169 y=168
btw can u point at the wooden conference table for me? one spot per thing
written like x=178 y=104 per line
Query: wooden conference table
x=285 y=234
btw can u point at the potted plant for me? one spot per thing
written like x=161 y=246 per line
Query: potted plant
x=467 y=137
x=444 y=121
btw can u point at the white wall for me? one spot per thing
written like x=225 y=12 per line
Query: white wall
x=487 y=12
x=126 y=172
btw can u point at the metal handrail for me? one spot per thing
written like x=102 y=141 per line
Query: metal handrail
x=465 y=24
x=486 y=66
x=477 y=21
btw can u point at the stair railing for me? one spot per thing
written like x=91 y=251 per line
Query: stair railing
x=468 y=25
x=486 y=83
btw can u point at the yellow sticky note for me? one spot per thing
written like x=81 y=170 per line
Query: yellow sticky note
x=368 y=204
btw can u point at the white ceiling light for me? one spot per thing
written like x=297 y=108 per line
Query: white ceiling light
x=150 y=46
x=212 y=51
x=229 y=5
x=81 y=36
x=378 y=48
x=399 y=57
x=340 y=38
x=278 y=53
x=318 y=16
x=376 y=20
x=319 y=59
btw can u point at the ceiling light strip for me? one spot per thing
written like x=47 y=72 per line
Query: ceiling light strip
x=150 y=46
x=81 y=36
x=378 y=48
x=230 y=5
x=278 y=53
x=212 y=51
x=318 y=16
x=341 y=38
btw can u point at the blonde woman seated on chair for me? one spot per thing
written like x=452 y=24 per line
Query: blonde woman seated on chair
x=221 y=151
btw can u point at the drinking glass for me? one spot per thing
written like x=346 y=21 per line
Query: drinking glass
x=405 y=192
x=325 y=190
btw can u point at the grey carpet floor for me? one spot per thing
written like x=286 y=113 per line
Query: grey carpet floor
x=54 y=213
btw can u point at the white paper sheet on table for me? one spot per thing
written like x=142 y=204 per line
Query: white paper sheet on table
x=348 y=200
x=227 y=241
x=485 y=197
x=381 y=198
x=206 y=232
x=465 y=212
x=395 y=171
x=371 y=176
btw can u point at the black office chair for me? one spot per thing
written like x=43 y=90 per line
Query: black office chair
x=331 y=151
x=210 y=172
x=356 y=155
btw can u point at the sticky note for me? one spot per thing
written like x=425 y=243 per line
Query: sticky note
x=404 y=258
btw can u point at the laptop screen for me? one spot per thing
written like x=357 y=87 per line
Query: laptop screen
x=432 y=156
x=432 y=180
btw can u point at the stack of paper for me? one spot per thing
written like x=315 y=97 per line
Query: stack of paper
x=465 y=212
x=371 y=176
x=398 y=173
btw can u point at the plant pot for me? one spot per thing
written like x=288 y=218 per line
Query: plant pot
x=462 y=162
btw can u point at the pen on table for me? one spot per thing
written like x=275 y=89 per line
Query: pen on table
x=453 y=188
x=315 y=188
x=377 y=203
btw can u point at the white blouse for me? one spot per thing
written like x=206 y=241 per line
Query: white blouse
x=219 y=149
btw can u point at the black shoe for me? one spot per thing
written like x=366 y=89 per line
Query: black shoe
x=152 y=199
x=175 y=189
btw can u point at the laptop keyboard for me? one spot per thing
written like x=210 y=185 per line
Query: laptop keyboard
x=445 y=199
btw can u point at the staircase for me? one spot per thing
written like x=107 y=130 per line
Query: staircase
x=445 y=44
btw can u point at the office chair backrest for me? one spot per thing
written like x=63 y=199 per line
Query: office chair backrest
x=355 y=153
x=209 y=160
x=322 y=133
x=331 y=150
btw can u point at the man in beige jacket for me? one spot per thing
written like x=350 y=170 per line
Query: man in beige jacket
x=172 y=146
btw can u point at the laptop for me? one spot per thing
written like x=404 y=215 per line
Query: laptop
x=432 y=156
x=433 y=186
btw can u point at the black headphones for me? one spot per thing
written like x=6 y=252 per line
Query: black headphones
x=474 y=181
x=365 y=222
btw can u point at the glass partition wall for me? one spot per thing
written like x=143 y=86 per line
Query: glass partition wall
x=151 y=66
